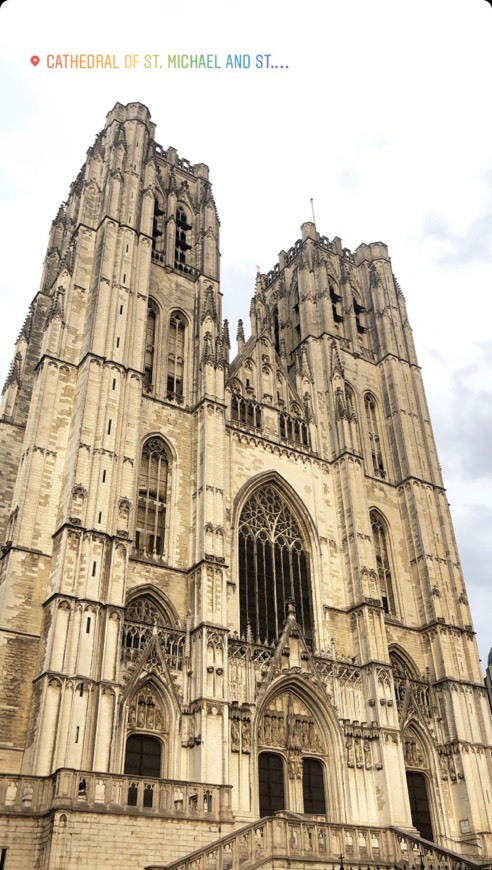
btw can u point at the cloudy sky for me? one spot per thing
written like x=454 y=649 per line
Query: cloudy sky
x=379 y=110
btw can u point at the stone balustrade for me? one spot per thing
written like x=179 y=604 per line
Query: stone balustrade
x=293 y=839
x=100 y=792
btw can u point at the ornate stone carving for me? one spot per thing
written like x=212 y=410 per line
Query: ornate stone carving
x=146 y=710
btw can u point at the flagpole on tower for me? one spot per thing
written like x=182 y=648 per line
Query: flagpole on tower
x=312 y=209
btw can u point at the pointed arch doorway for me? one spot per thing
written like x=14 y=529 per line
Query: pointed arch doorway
x=143 y=755
x=271 y=783
x=419 y=803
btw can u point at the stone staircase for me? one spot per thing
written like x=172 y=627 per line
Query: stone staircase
x=287 y=840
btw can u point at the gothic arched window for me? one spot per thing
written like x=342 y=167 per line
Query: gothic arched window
x=150 y=341
x=273 y=567
x=245 y=411
x=381 y=551
x=374 y=439
x=296 y=317
x=276 y=329
x=158 y=230
x=152 y=497
x=182 y=245
x=142 y=617
x=294 y=429
x=175 y=356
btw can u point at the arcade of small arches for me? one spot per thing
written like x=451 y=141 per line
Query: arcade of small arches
x=247 y=411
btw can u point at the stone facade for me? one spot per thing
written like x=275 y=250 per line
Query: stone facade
x=228 y=587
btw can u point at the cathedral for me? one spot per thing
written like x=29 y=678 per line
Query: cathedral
x=234 y=630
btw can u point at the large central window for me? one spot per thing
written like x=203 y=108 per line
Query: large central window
x=273 y=568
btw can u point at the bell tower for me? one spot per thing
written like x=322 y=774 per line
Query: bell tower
x=123 y=349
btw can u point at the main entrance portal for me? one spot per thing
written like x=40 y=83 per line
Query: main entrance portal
x=419 y=804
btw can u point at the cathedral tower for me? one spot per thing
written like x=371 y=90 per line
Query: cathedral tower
x=228 y=588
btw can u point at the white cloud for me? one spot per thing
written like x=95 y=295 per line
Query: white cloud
x=382 y=118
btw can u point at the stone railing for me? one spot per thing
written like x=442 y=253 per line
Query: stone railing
x=297 y=840
x=107 y=792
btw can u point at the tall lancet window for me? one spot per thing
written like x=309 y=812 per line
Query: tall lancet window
x=276 y=329
x=296 y=316
x=381 y=551
x=273 y=568
x=150 y=334
x=152 y=498
x=175 y=356
x=158 y=229
x=182 y=241
x=374 y=439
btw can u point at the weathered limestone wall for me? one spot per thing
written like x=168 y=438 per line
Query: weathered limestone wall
x=69 y=840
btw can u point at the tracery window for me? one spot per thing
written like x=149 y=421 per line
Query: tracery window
x=150 y=336
x=152 y=496
x=141 y=617
x=245 y=411
x=182 y=245
x=294 y=429
x=273 y=568
x=175 y=357
x=407 y=677
x=374 y=439
x=380 y=543
x=143 y=620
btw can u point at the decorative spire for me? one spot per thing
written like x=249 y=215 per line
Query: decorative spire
x=25 y=332
x=61 y=214
x=336 y=365
x=13 y=376
x=305 y=367
x=209 y=309
x=240 y=336
x=98 y=148
x=219 y=353
x=225 y=334
x=56 y=309
x=208 y=349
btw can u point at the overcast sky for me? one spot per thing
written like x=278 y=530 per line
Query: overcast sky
x=382 y=116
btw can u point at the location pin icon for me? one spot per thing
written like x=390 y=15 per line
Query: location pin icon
x=34 y=60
